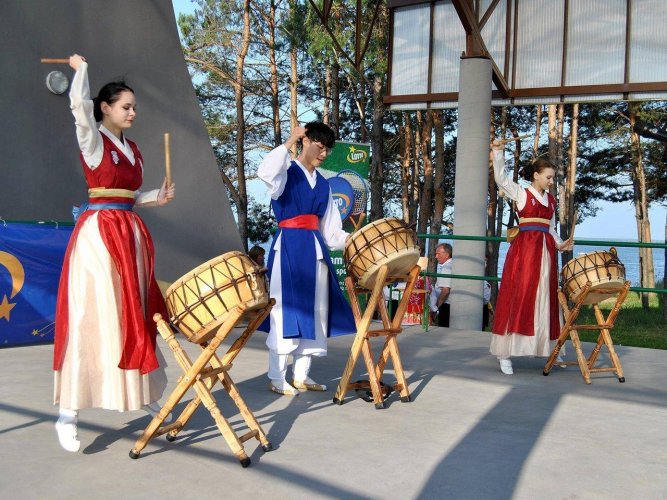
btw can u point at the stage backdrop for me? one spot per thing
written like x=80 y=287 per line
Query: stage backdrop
x=39 y=164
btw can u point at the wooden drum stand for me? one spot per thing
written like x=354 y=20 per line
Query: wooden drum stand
x=203 y=374
x=362 y=338
x=604 y=325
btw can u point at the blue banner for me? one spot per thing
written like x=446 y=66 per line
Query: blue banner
x=31 y=257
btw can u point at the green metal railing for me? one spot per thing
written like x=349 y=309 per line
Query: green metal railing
x=600 y=243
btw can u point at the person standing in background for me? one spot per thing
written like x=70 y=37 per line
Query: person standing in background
x=442 y=288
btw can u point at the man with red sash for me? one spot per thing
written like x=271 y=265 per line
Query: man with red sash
x=309 y=303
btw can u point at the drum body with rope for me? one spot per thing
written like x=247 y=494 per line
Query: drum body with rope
x=382 y=242
x=603 y=269
x=201 y=300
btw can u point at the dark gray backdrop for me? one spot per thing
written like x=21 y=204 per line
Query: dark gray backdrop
x=41 y=176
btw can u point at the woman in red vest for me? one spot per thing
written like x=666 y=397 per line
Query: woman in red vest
x=105 y=354
x=527 y=318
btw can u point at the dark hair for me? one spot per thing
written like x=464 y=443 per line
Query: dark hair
x=320 y=132
x=535 y=166
x=255 y=252
x=110 y=93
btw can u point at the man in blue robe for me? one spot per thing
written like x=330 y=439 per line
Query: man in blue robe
x=309 y=303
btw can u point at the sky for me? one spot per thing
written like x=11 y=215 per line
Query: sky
x=614 y=220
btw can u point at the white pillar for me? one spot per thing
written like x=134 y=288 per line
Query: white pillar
x=470 y=199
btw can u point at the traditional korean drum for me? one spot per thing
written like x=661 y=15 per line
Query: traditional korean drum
x=382 y=242
x=602 y=269
x=200 y=301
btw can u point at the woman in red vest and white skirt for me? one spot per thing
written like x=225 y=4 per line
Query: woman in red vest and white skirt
x=527 y=317
x=105 y=354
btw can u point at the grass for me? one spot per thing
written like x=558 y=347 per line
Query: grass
x=634 y=327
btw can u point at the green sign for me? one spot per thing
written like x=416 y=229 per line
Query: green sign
x=349 y=160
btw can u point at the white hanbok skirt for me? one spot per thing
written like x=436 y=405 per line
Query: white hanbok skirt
x=89 y=376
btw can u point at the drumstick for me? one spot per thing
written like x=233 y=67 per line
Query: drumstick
x=574 y=224
x=504 y=141
x=47 y=60
x=167 y=158
x=360 y=218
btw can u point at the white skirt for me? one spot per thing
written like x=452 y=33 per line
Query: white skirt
x=89 y=376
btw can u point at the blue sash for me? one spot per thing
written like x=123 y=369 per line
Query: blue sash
x=533 y=228
x=77 y=211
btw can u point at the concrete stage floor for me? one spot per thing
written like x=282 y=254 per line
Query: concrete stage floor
x=470 y=432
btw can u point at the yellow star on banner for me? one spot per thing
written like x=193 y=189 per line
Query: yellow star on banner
x=5 y=307
x=35 y=332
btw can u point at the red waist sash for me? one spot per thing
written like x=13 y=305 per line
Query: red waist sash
x=306 y=221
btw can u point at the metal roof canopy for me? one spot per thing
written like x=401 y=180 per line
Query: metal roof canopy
x=542 y=51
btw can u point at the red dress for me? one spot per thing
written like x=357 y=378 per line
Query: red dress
x=105 y=336
x=516 y=305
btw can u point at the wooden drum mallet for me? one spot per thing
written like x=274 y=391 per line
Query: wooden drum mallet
x=167 y=159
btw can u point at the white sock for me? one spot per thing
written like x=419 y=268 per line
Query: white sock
x=66 y=416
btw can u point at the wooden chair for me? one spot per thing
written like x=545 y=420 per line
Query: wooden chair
x=202 y=375
x=604 y=325
x=362 y=339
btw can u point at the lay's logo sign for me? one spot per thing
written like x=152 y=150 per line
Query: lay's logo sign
x=356 y=155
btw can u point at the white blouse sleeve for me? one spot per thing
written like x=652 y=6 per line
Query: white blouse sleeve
x=273 y=170
x=90 y=141
x=513 y=190
x=146 y=199
x=552 y=231
x=331 y=227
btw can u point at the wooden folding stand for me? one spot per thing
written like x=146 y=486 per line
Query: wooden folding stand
x=604 y=325
x=362 y=343
x=203 y=374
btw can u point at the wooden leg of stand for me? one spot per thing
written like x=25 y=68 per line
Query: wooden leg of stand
x=354 y=300
x=373 y=379
x=383 y=358
x=240 y=403
x=581 y=359
x=184 y=417
x=362 y=331
x=384 y=314
x=596 y=350
x=398 y=369
x=565 y=332
x=176 y=395
x=246 y=413
x=221 y=422
x=606 y=338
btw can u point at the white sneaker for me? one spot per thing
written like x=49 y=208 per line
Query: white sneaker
x=506 y=366
x=560 y=361
x=153 y=409
x=67 y=435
